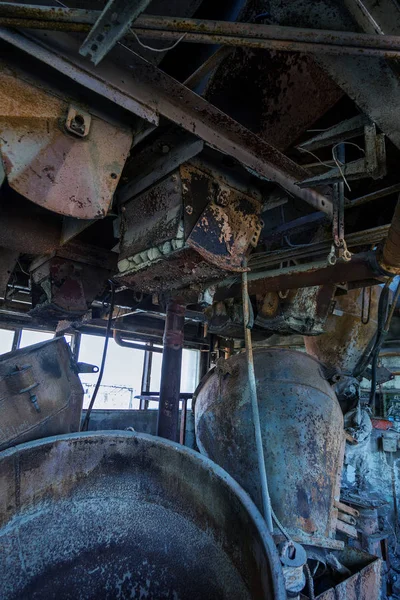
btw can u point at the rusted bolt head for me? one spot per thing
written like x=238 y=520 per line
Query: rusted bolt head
x=189 y=209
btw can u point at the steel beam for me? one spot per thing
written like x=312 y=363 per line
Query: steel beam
x=362 y=267
x=168 y=411
x=153 y=90
x=288 y=39
x=113 y=23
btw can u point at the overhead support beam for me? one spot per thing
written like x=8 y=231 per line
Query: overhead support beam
x=112 y=24
x=362 y=267
x=150 y=88
x=273 y=37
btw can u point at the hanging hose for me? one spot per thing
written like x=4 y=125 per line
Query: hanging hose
x=266 y=501
x=380 y=337
x=85 y=423
x=310 y=582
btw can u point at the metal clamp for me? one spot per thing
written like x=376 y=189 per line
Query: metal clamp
x=292 y=554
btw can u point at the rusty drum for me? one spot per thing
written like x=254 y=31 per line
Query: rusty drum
x=302 y=428
x=40 y=393
x=120 y=515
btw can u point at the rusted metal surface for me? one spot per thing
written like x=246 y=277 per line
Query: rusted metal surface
x=64 y=288
x=299 y=311
x=191 y=226
x=221 y=220
x=346 y=337
x=251 y=35
x=270 y=90
x=302 y=427
x=40 y=393
x=152 y=219
x=25 y=228
x=168 y=408
x=157 y=160
x=368 y=237
x=114 y=21
x=70 y=175
x=125 y=515
x=364 y=581
x=296 y=311
x=365 y=79
x=155 y=89
x=389 y=260
x=360 y=268
x=8 y=262
x=226 y=229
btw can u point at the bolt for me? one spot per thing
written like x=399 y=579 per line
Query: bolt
x=189 y=209
x=165 y=149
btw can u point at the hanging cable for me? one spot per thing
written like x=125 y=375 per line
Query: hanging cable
x=380 y=337
x=266 y=501
x=156 y=49
x=85 y=423
x=310 y=582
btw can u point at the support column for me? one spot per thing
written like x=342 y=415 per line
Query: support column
x=168 y=411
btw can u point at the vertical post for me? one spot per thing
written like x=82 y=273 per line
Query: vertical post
x=16 y=339
x=182 y=432
x=168 y=409
x=146 y=375
x=75 y=346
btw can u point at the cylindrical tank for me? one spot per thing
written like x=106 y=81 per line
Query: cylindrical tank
x=302 y=428
x=119 y=515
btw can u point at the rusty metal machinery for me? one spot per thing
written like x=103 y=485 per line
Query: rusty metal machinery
x=40 y=393
x=123 y=515
x=349 y=330
x=302 y=311
x=189 y=228
x=58 y=155
x=303 y=438
x=65 y=283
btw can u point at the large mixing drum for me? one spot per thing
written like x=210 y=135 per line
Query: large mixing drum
x=116 y=515
x=302 y=429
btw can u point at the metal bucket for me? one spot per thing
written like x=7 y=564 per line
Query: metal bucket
x=303 y=438
x=120 y=515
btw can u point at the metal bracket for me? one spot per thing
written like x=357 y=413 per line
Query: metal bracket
x=372 y=165
x=78 y=121
x=113 y=23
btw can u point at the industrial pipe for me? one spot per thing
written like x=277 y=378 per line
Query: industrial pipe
x=291 y=39
x=168 y=409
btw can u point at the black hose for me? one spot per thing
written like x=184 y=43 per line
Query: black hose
x=310 y=582
x=85 y=423
x=380 y=337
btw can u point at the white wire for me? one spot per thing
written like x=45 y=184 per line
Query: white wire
x=315 y=156
x=156 y=49
x=337 y=162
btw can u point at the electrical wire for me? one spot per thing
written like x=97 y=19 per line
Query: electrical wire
x=85 y=423
x=380 y=336
x=266 y=501
x=135 y=35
